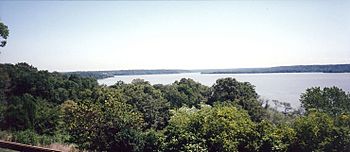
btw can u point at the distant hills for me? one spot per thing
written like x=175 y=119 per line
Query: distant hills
x=330 y=68
x=107 y=74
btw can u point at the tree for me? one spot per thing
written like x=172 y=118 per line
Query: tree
x=275 y=138
x=314 y=132
x=341 y=133
x=4 y=82
x=153 y=141
x=219 y=128
x=16 y=80
x=229 y=89
x=148 y=101
x=180 y=136
x=20 y=113
x=241 y=94
x=333 y=101
x=104 y=125
x=185 y=92
x=4 y=33
x=48 y=118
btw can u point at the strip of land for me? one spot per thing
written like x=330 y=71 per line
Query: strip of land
x=107 y=74
x=330 y=68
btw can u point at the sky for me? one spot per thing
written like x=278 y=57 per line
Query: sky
x=112 y=35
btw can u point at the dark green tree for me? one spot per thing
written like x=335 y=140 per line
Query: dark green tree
x=148 y=101
x=333 y=101
x=185 y=92
x=314 y=132
x=241 y=94
x=341 y=134
x=48 y=118
x=104 y=125
x=153 y=141
x=4 y=33
x=20 y=113
x=229 y=89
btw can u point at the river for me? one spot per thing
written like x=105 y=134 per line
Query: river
x=285 y=87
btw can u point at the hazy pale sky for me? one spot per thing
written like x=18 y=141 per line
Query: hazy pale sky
x=91 y=35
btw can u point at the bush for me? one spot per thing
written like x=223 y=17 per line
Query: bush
x=26 y=137
x=32 y=138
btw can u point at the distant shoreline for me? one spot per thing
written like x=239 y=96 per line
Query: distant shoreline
x=330 y=68
x=263 y=72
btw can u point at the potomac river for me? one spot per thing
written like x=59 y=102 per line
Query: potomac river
x=285 y=87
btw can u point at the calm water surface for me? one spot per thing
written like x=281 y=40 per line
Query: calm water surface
x=286 y=87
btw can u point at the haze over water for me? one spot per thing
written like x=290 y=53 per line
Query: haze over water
x=285 y=87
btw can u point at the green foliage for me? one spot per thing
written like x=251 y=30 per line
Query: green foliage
x=39 y=107
x=221 y=128
x=148 y=101
x=48 y=118
x=314 y=132
x=185 y=92
x=4 y=33
x=26 y=137
x=104 y=125
x=229 y=89
x=153 y=141
x=29 y=99
x=242 y=94
x=179 y=137
x=253 y=107
x=333 y=101
x=20 y=113
x=275 y=138
x=52 y=87
x=32 y=138
x=27 y=112
x=4 y=83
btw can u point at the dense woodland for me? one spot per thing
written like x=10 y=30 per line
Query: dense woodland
x=40 y=108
